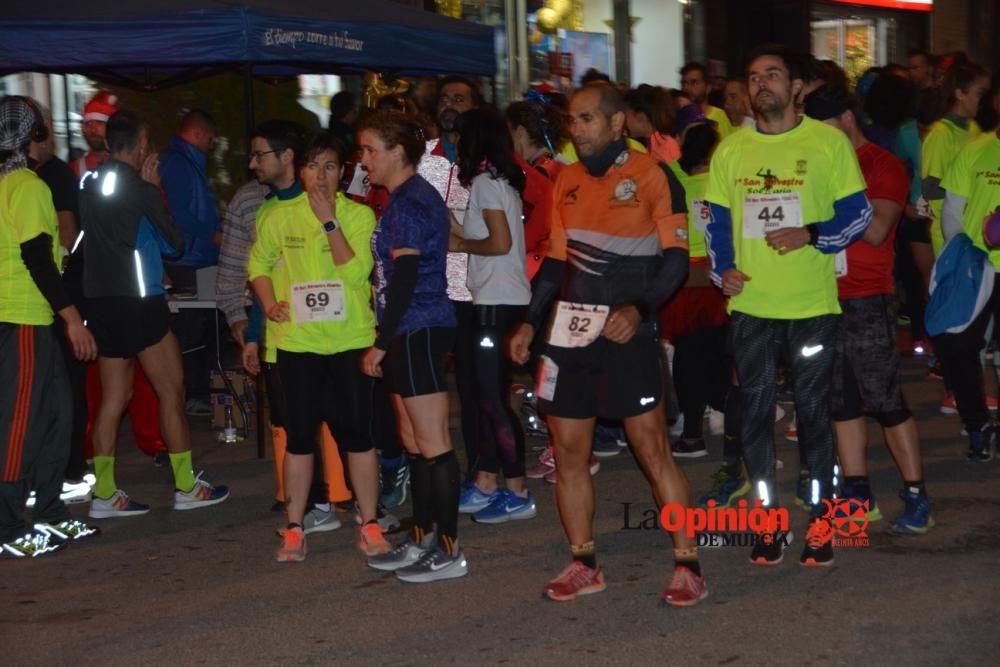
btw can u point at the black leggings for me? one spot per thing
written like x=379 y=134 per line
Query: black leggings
x=701 y=375
x=464 y=353
x=501 y=438
x=384 y=422
x=318 y=491
x=756 y=344
x=963 y=370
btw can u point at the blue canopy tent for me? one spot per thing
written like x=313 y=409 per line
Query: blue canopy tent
x=156 y=44
x=111 y=38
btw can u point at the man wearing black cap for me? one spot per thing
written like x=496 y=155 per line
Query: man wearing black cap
x=866 y=365
x=35 y=417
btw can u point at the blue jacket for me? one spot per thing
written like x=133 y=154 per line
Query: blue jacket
x=183 y=173
x=961 y=284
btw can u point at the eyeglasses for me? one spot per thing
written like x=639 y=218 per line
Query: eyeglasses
x=257 y=155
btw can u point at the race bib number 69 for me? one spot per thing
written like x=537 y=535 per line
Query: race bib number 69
x=767 y=213
x=318 y=302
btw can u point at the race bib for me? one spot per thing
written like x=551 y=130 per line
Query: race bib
x=840 y=264
x=359 y=186
x=766 y=213
x=577 y=324
x=318 y=302
x=548 y=375
x=702 y=214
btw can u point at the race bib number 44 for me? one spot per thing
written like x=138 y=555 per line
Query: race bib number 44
x=767 y=213
x=318 y=302
x=577 y=324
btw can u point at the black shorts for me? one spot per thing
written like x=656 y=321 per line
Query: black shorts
x=604 y=379
x=124 y=326
x=326 y=388
x=866 y=365
x=416 y=360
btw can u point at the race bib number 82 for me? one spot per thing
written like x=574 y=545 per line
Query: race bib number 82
x=577 y=324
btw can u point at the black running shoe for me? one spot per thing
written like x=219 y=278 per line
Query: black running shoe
x=770 y=550
x=818 y=549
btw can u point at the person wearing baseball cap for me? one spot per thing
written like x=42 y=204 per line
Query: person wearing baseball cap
x=35 y=404
x=95 y=118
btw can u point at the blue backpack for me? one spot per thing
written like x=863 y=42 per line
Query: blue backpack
x=961 y=284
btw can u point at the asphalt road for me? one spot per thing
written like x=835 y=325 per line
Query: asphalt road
x=200 y=588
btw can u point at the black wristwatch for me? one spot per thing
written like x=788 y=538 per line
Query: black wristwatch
x=813 y=234
x=330 y=226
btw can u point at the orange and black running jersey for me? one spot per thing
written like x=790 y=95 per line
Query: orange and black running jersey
x=610 y=230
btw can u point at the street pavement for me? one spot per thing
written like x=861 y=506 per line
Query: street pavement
x=201 y=588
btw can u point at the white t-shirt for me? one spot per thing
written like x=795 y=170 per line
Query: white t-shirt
x=501 y=280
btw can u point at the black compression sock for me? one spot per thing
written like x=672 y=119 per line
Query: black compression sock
x=444 y=476
x=916 y=486
x=422 y=494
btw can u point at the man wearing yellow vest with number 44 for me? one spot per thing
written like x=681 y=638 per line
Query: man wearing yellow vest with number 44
x=784 y=196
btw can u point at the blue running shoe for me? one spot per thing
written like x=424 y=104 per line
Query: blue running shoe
x=916 y=518
x=726 y=489
x=394 y=482
x=507 y=506
x=472 y=499
x=873 y=514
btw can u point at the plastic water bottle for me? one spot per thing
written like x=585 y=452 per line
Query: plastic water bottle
x=229 y=430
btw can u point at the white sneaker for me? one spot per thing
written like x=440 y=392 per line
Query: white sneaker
x=716 y=422
x=678 y=428
x=75 y=492
x=116 y=506
x=72 y=493
x=201 y=495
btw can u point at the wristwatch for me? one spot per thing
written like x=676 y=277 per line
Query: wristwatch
x=330 y=226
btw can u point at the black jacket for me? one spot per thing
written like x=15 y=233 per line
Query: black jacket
x=114 y=204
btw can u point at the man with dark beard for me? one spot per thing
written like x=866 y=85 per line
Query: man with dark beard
x=785 y=197
x=456 y=95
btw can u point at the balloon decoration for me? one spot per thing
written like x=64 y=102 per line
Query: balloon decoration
x=558 y=14
x=376 y=89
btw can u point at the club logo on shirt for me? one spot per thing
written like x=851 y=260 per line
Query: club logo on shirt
x=767 y=182
x=295 y=241
x=800 y=167
x=770 y=178
x=570 y=197
x=626 y=190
